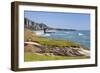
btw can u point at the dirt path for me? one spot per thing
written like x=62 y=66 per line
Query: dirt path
x=32 y=43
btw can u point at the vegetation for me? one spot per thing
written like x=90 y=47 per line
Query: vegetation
x=36 y=57
x=31 y=55
x=30 y=36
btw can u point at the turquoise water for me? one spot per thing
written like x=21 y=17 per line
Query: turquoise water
x=82 y=36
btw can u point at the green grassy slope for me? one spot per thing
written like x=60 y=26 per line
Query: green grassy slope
x=29 y=56
x=35 y=57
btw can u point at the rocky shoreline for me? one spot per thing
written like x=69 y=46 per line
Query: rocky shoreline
x=58 y=51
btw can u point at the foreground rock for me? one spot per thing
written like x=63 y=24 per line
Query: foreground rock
x=58 y=51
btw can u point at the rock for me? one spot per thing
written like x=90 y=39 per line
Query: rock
x=41 y=26
x=57 y=51
x=33 y=25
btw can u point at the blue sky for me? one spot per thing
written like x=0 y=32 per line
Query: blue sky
x=77 y=21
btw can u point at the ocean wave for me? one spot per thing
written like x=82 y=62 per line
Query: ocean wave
x=80 y=34
x=45 y=35
x=40 y=33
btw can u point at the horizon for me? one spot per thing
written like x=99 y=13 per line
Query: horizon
x=77 y=21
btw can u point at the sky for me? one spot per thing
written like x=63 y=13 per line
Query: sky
x=79 y=21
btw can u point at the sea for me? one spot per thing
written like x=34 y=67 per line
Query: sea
x=79 y=36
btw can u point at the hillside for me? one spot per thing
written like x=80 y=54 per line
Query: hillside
x=48 y=49
x=41 y=26
x=34 y=25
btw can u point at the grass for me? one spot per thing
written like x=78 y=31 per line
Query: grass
x=30 y=36
x=35 y=57
x=30 y=48
x=29 y=56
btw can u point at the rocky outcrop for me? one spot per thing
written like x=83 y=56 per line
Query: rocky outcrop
x=40 y=26
x=60 y=51
x=33 y=25
x=68 y=51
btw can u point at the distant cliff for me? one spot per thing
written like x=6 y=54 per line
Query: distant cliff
x=40 y=26
x=34 y=25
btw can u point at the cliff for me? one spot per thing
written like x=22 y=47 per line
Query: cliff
x=33 y=25
x=40 y=26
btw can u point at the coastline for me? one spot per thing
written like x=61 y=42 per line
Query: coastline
x=36 y=45
x=80 y=37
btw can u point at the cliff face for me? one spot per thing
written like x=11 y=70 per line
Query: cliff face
x=33 y=25
x=41 y=26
